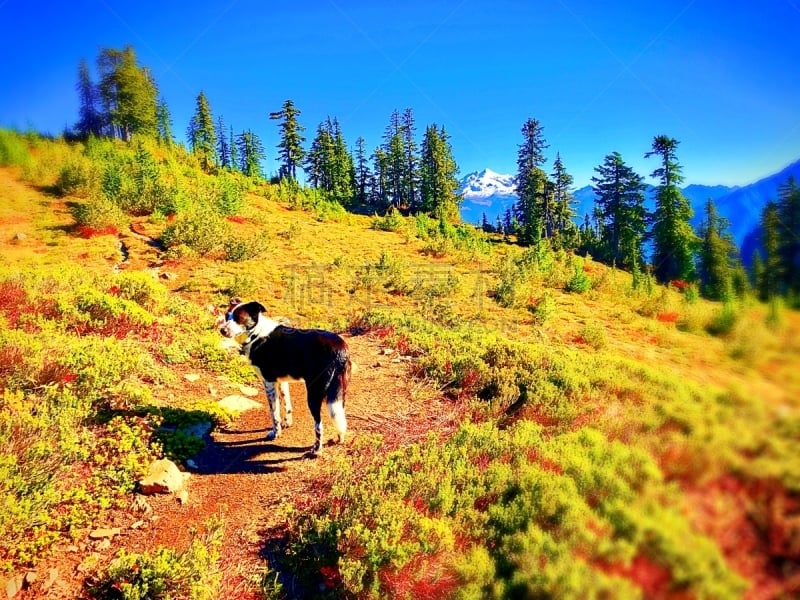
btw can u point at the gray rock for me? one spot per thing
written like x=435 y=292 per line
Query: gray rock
x=163 y=477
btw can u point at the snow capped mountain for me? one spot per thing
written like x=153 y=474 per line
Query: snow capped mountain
x=486 y=193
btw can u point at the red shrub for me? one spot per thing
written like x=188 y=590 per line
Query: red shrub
x=667 y=317
x=237 y=219
x=87 y=232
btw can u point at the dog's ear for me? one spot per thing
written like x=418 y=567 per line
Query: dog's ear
x=259 y=306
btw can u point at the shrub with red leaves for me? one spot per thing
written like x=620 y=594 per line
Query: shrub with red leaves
x=87 y=232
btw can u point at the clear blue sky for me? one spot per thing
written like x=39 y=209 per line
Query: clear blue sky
x=723 y=78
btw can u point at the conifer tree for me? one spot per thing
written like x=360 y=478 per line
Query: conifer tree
x=234 y=150
x=290 y=146
x=251 y=153
x=202 y=135
x=769 y=286
x=394 y=163
x=329 y=165
x=379 y=196
x=789 y=237
x=561 y=223
x=439 y=176
x=164 y=125
x=90 y=118
x=718 y=259
x=362 y=173
x=223 y=146
x=674 y=240
x=619 y=199
x=410 y=175
x=128 y=94
x=531 y=183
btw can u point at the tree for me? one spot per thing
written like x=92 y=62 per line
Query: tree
x=410 y=173
x=128 y=94
x=90 y=118
x=562 y=224
x=223 y=145
x=769 y=285
x=531 y=183
x=789 y=237
x=290 y=147
x=329 y=165
x=202 y=135
x=362 y=173
x=251 y=153
x=621 y=216
x=164 y=125
x=674 y=240
x=438 y=176
x=718 y=258
x=234 y=151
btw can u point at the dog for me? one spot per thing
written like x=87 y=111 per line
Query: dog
x=280 y=354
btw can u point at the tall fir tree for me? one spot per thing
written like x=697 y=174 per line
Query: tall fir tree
x=674 y=240
x=789 y=238
x=223 y=145
x=90 y=117
x=164 y=125
x=202 y=135
x=128 y=94
x=770 y=284
x=251 y=153
x=439 y=176
x=531 y=183
x=394 y=163
x=621 y=215
x=290 y=146
x=410 y=175
x=362 y=173
x=379 y=194
x=328 y=164
x=718 y=260
x=234 y=151
x=563 y=225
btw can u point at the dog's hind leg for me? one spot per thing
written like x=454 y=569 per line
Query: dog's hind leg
x=315 y=407
x=287 y=402
x=336 y=410
x=274 y=409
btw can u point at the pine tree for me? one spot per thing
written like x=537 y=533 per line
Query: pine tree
x=90 y=118
x=674 y=240
x=251 y=152
x=531 y=183
x=394 y=163
x=164 y=125
x=128 y=94
x=379 y=196
x=362 y=173
x=789 y=237
x=718 y=260
x=562 y=224
x=290 y=147
x=410 y=173
x=202 y=135
x=328 y=165
x=223 y=146
x=439 y=176
x=769 y=286
x=234 y=151
x=619 y=199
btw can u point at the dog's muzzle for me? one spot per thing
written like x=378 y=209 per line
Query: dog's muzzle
x=231 y=329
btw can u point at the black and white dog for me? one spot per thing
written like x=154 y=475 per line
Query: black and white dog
x=281 y=354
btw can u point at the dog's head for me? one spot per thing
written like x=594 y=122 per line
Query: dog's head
x=246 y=320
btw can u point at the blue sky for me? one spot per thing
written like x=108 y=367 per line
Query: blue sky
x=721 y=78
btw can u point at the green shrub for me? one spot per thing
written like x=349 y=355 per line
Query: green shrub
x=203 y=230
x=99 y=214
x=543 y=308
x=391 y=221
x=239 y=249
x=579 y=283
x=77 y=177
x=13 y=149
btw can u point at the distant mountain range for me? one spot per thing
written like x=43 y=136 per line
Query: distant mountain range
x=490 y=193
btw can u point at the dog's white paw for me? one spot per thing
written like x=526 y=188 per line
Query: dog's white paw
x=289 y=420
x=273 y=434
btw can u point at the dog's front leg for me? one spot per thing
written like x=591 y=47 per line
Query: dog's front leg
x=274 y=409
x=287 y=402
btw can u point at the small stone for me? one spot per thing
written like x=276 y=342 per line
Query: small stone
x=14 y=586
x=387 y=351
x=52 y=577
x=138 y=524
x=236 y=403
x=212 y=391
x=183 y=497
x=191 y=377
x=248 y=390
x=30 y=578
x=103 y=544
x=107 y=532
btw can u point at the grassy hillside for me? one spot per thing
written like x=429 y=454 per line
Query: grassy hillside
x=616 y=442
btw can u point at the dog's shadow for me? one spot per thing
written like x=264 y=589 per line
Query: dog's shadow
x=240 y=452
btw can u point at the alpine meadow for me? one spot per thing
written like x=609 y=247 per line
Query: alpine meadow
x=550 y=406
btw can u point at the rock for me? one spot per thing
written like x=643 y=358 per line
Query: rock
x=137 y=525
x=20 y=237
x=236 y=403
x=248 y=390
x=212 y=391
x=52 y=577
x=191 y=377
x=14 y=586
x=183 y=497
x=140 y=504
x=163 y=477
x=387 y=351
x=103 y=545
x=30 y=578
x=168 y=276
x=107 y=532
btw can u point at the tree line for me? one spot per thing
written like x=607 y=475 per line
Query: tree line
x=400 y=174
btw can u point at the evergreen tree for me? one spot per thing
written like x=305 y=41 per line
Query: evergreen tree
x=674 y=240
x=562 y=224
x=290 y=147
x=718 y=259
x=251 y=153
x=531 y=183
x=202 y=135
x=439 y=176
x=328 y=165
x=90 y=118
x=234 y=151
x=164 y=125
x=128 y=94
x=410 y=172
x=789 y=237
x=769 y=286
x=379 y=195
x=362 y=173
x=223 y=146
x=394 y=163
x=619 y=198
